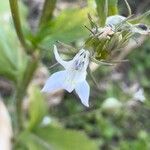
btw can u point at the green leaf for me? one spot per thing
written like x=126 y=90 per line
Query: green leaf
x=55 y=138
x=12 y=58
x=67 y=27
x=112 y=7
x=37 y=108
x=63 y=139
x=4 y=7
x=30 y=141
x=102 y=11
x=8 y=66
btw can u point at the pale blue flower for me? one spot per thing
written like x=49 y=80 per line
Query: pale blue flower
x=115 y=20
x=73 y=77
x=139 y=95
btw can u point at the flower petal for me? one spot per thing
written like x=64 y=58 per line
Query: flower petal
x=83 y=91
x=114 y=20
x=55 y=82
x=139 y=31
x=59 y=80
x=59 y=59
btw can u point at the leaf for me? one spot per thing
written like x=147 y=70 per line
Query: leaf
x=102 y=11
x=37 y=108
x=67 y=27
x=30 y=141
x=4 y=7
x=12 y=58
x=112 y=7
x=66 y=139
x=55 y=138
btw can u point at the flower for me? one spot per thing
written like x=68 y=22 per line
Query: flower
x=73 y=77
x=139 y=95
x=114 y=21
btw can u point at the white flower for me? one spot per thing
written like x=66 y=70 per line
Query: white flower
x=139 y=95
x=46 y=121
x=73 y=77
x=141 y=29
x=115 y=20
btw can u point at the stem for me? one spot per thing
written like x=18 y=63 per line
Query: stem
x=21 y=89
x=47 y=13
x=30 y=67
x=128 y=7
x=54 y=65
x=93 y=78
x=17 y=23
x=19 y=114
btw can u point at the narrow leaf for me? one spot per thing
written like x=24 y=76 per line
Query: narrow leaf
x=102 y=11
x=112 y=7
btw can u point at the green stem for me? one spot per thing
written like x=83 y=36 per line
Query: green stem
x=128 y=7
x=93 y=78
x=16 y=19
x=19 y=114
x=47 y=13
x=22 y=87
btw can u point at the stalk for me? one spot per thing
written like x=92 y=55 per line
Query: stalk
x=47 y=12
x=17 y=24
x=22 y=88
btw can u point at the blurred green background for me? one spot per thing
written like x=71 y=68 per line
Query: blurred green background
x=115 y=120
